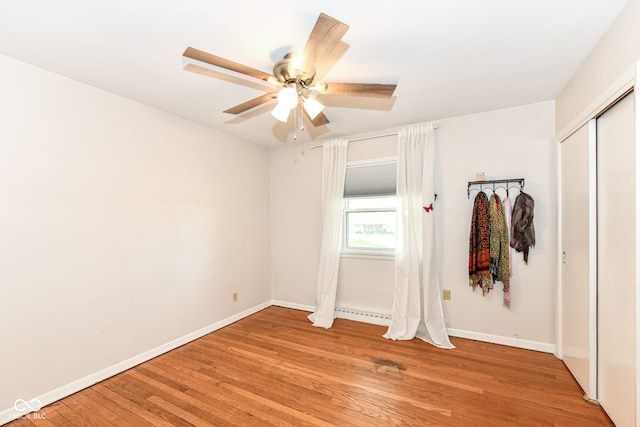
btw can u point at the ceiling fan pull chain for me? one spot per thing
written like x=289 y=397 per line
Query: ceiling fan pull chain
x=295 y=123
x=298 y=120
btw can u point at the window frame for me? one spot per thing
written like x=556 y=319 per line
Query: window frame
x=367 y=253
x=363 y=252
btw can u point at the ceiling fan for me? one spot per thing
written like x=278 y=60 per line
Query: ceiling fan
x=295 y=75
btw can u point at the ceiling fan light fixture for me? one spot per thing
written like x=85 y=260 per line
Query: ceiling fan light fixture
x=281 y=112
x=288 y=98
x=312 y=107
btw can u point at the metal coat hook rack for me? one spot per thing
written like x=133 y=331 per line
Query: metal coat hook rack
x=495 y=183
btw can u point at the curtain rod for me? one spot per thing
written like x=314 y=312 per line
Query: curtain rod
x=364 y=138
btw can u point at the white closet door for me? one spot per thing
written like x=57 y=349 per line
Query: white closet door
x=578 y=295
x=616 y=262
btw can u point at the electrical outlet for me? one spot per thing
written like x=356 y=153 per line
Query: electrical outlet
x=446 y=294
x=235 y=296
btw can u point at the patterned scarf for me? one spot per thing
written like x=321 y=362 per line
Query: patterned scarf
x=499 y=246
x=479 y=256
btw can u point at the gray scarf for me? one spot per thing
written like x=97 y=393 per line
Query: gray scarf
x=523 y=234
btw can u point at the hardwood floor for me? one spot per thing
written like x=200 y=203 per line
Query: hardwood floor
x=274 y=368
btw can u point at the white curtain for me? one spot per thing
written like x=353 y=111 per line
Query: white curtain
x=334 y=162
x=417 y=305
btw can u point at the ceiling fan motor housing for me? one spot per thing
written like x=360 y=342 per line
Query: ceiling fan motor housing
x=292 y=69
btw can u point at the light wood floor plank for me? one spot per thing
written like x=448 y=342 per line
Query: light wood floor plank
x=231 y=407
x=274 y=368
x=118 y=402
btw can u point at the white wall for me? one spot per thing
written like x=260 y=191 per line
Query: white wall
x=512 y=143
x=296 y=222
x=516 y=142
x=122 y=228
x=608 y=70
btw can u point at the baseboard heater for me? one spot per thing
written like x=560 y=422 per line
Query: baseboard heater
x=363 y=316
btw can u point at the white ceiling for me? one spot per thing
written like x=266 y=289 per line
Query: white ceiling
x=448 y=58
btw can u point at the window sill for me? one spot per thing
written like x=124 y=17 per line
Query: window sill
x=388 y=256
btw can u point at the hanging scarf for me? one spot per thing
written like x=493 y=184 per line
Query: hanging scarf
x=499 y=246
x=507 y=217
x=523 y=234
x=479 y=256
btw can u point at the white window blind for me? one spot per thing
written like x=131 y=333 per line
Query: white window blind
x=371 y=179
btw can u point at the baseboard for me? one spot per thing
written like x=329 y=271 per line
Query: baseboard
x=497 y=339
x=342 y=313
x=293 y=305
x=385 y=319
x=11 y=414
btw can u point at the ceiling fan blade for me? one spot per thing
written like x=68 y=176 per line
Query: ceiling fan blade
x=325 y=36
x=209 y=58
x=359 y=89
x=319 y=120
x=241 y=108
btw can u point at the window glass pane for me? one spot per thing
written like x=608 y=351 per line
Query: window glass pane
x=371 y=230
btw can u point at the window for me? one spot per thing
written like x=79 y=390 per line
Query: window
x=370 y=223
x=370 y=209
